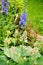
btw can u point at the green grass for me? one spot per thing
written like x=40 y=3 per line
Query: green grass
x=35 y=13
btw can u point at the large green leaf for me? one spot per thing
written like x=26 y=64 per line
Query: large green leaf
x=18 y=53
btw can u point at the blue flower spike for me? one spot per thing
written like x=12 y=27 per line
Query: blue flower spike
x=22 y=21
x=3 y=6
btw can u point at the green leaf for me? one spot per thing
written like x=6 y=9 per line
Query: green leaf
x=7 y=52
x=16 y=53
x=40 y=61
x=11 y=62
x=3 y=60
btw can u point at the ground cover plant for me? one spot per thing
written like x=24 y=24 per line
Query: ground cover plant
x=21 y=32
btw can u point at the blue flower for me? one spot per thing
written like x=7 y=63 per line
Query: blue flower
x=22 y=21
x=3 y=6
x=5 y=10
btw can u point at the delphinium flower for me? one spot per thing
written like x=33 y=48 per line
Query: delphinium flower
x=22 y=21
x=4 y=3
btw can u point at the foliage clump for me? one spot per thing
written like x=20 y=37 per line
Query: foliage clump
x=17 y=46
